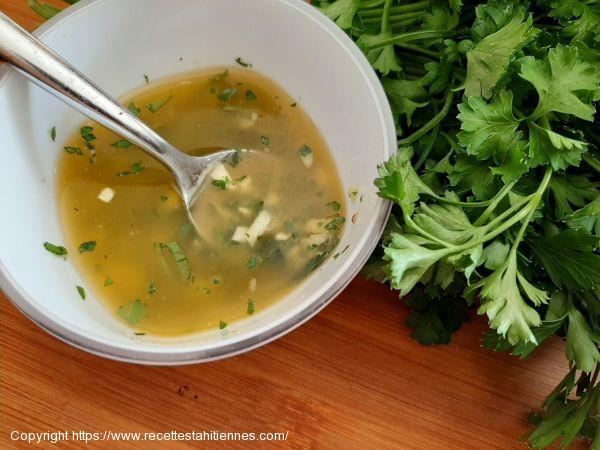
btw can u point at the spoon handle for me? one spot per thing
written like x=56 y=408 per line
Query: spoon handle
x=48 y=70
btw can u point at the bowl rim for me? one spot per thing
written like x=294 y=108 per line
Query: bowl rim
x=56 y=327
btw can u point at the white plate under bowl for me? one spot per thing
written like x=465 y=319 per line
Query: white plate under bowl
x=115 y=42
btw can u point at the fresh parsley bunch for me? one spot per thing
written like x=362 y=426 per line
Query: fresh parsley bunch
x=496 y=183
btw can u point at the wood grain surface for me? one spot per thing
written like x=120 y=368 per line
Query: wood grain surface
x=349 y=379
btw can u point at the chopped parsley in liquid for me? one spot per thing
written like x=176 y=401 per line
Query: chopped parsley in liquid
x=264 y=225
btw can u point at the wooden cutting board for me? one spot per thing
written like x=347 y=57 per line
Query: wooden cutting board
x=351 y=378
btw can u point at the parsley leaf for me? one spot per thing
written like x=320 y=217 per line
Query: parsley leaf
x=405 y=96
x=121 y=143
x=399 y=182
x=564 y=82
x=569 y=258
x=253 y=261
x=572 y=190
x=133 y=109
x=227 y=94
x=153 y=107
x=179 y=257
x=74 y=150
x=222 y=184
x=549 y=147
x=489 y=59
x=502 y=301
x=586 y=218
x=489 y=132
x=582 y=342
x=88 y=246
x=342 y=12
x=133 y=312
x=433 y=320
x=58 y=250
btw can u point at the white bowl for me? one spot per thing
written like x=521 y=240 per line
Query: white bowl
x=115 y=43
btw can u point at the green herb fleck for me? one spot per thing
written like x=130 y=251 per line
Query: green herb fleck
x=58 y=250
x=53 y=134
x=153 y=107
x=315 y=262
x=222 y=183
x=74 y=151
x=88 y=246
x=337 y=255
x=152 y=288
x=133 y=312
x=304 y=151
x=250 y=95
x=137 y=168
x=133 y=109
x=147 y=79
x=81 y=292
x=242 y=63
x=87 y=133
x=164 y=198
x=335 y=223
x=140 y=334
x=265 y=140
x=250 y=307
x=253 y=261
x=227 y=94
x=216 y=280
x=179 y=256
x=108 y=281
x=121 y=143
x=334 y=205
x=222 y=325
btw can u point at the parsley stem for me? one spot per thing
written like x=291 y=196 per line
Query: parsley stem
x=428 y=149
x=505 y=226
x=422 y=51
x=499 y=219
x=391 y=19
x=398 y=26
x=414 y=36
x=592 y=162
x=370 y=4
x=385 y=18
x=417 y=6
x=494 y=203
x=432 y=123
x=521 y=232
x=532 y=202
x=411 y=223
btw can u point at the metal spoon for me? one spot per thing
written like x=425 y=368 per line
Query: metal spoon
x=48 y=70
